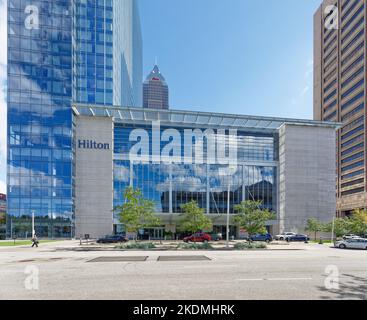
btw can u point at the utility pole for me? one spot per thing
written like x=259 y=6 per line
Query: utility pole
x=333 y=230
x=228 y=211
x=228 y=172
x=33 y=230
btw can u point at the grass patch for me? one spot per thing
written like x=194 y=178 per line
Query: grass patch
x=249 y=246
x=10 y=243
x=323 y=241
x=195 y=246
x=137 y=245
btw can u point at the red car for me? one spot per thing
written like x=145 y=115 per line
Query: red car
x=198 y=237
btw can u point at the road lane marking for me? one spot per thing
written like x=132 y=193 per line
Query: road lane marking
x=250 y=279
x=277 y=279
x=288 y=279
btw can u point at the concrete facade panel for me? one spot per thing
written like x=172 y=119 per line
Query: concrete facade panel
x=94 y=178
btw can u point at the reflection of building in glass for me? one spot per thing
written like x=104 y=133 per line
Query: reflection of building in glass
x=60 y=52
x=155 y=91
x=279 y=162
x=2 y=216
x=2 y=203
x=259 y=191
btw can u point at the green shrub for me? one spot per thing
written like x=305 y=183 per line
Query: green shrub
x=248 y=246
x=195 y=246
x=137 y=245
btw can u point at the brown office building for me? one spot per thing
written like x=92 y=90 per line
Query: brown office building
x=155 y=91
x=340 y=40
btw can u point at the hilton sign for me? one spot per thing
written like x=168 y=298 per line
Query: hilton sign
x=93 y=145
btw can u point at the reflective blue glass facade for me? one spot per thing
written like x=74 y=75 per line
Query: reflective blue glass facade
x=171 y=185
x=40 y=174
x=107 y=55
x=59 y=52
x=93 y=51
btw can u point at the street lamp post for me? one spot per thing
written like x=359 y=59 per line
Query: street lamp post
x=228 y=172
x=33 y=230
x=228 y=212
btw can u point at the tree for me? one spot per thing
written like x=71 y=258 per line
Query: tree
x=252 y=217
x=2 y=218
x=137 y=213
x=342 y=226
x=314 y=225
x=361 y=215
x=194 y=218
x=358 y=222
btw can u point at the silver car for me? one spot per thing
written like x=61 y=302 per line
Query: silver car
x=284 y=235
x=356 y=243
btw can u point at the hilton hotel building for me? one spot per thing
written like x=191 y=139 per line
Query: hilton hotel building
x=340 y=40
x=74 y=115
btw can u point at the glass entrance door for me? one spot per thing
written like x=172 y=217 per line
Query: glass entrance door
x=156 y=233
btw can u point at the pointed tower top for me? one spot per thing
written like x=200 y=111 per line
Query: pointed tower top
x=155 y=75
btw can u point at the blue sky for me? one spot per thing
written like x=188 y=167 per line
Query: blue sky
x=236 y=56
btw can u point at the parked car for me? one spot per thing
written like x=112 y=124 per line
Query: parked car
x=261 y=237
x=350 y=236
x=198 y=237
x=298 y=238
x=284 y=235
x=112 y=239
x=355 y=243
x=216 y=236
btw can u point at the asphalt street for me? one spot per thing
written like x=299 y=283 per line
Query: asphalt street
x=298 y=271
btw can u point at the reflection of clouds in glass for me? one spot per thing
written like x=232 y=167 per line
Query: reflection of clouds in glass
x=121 y=173
x=33 y=178
x=3 y=108
x=186 y=184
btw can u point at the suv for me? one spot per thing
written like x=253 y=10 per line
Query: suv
x=261 y=237
x=198 y=237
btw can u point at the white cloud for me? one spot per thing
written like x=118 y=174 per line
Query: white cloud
x=3 y=108
x=2 y=187
x=305 y=90
x=303 y=96
x=3 y=32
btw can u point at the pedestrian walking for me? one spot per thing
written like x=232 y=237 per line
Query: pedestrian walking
x=34 y=241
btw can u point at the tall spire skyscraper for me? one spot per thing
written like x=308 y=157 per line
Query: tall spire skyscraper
x=155 y=91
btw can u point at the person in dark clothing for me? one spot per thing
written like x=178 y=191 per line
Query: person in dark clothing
x=34 y=241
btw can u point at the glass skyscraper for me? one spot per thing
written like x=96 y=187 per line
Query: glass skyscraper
x=59 y=52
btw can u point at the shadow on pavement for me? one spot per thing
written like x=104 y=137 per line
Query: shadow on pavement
x=351 y=287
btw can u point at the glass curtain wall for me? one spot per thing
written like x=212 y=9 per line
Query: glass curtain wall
x=171 y=185
x=40 y=156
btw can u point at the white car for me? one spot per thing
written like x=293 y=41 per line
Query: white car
x=350 y=236
x=284 y=235
x=355 y=243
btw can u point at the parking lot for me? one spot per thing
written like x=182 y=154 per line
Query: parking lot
x=297 y=271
